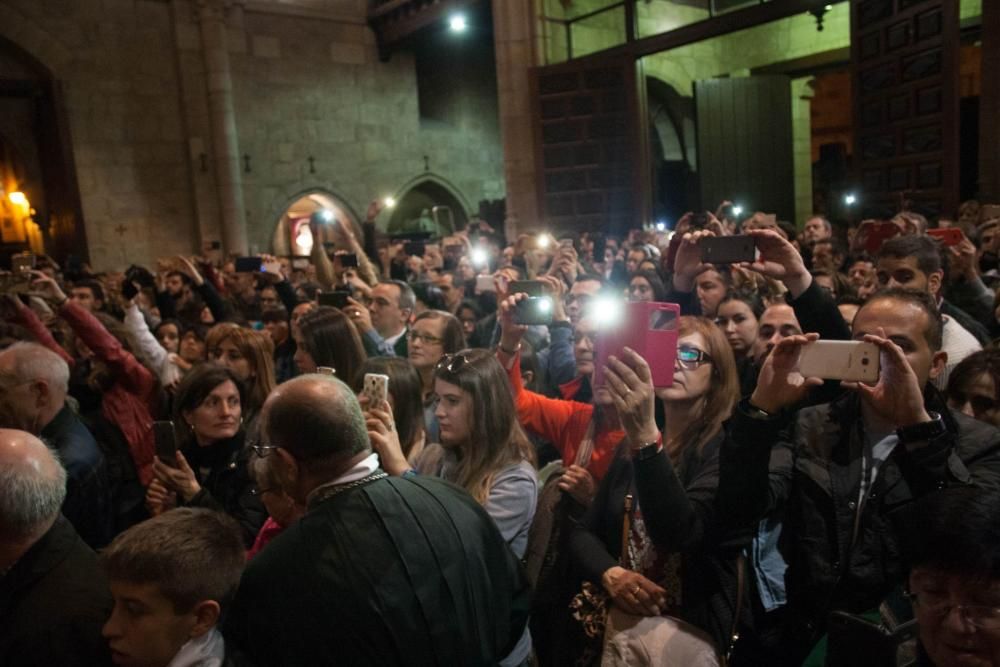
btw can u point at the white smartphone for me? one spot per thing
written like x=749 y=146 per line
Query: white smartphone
x=326 y=370
x=376 y=389
x=851 y=360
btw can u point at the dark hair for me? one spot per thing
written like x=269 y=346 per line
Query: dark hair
x=317 y=426
x=584 y=277
x=430 y=294
x=184 y=277
x=469 y=304
x=529 y=362
x=406 y=389
x=955 y=530
x=310 y=290
x=190 y=554
x=655 y=283
x=169 y=321
x=934 y=333
x=921 y=247
x=94 y=286
x=278 y=314
x=976 y=364
x=331 y=339
x=496 y=440
x=194 y=389
x=751 y=299
x=453 y=338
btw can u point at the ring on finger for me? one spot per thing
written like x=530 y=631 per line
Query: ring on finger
x=635 y=591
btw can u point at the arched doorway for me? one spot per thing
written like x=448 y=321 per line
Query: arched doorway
x=672 y=151
x=293 y=236
x=431 y=206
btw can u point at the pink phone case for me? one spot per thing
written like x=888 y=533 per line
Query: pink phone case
x=649 y=328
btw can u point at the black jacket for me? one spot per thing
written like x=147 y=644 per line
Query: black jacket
x=811 y=469
x=53 y=602
x=678 y=508
x=226 y=485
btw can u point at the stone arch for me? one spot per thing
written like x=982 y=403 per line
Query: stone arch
x=297 y=209
x=673 y=149
x=38 y=47
x=421 y=193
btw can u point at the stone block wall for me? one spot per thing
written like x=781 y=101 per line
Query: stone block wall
x=306 y=82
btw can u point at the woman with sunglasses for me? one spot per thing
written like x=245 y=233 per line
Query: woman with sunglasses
x=210 y=468
x=482 y=449
x=677 y=563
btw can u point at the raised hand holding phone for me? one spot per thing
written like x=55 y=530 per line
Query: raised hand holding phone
x=780 y=384
x=385 y=438
x=629 y=381
x=780 y=260
x=897 y=396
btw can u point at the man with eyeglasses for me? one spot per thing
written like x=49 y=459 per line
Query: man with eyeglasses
x=383 y=323
x=381 y=570
x=837 y=472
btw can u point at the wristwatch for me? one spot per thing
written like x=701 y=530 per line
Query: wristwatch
x=648 y=450
x=754 y=412
x=924 y=430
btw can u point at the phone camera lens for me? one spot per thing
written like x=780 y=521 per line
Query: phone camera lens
x=864 y=361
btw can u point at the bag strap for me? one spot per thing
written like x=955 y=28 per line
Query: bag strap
x=586 y=450
x=734 y=633
x=626 y=530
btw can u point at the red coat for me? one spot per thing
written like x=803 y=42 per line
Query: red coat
x=128 y=402
x=564 y=423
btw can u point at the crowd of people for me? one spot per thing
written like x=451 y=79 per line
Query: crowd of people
x=194 y=469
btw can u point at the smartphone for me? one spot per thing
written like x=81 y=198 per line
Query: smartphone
x=600 y=246
x=417 y=248
x=872 y=234
x=326 y=370
x=22 y=263
x=949 y=236
x=851 y=360
x=336 y=298
x=649 y=328
x=348 y=260
x=165 y=439
x=376 y=389
x=300 y=263
x=215 y=245
x=485 y=284
x=248 y=264
x=728 y=249
x=534 y=310
x=129 y=290
x=529 y=287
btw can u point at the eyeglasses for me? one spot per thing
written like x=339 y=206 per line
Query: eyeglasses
x=254 y=491
x=936 y=604
x=690 y=358
x=413 y=335
x=452 y=362
x=584 y=299
x=580 y=336
x=263 y=451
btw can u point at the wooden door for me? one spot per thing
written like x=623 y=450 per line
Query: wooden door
x=745 y=143
x=904 y=60
x=589 y=154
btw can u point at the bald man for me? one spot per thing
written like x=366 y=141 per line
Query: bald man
x=54 y=597
x=402 y=570
x=34 y=382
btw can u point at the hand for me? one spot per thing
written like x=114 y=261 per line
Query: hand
x=270 y=267
x=185 y=266
x=630 y=384
x=780 y=384
x=633 y=592
x=374 y=208
x=963 y=260
x=352 y=278
x=510 y=331
x=181 y=480
x=687 y=262
x=579 y=483
x=556 y=288
x=360 y=315
x=897 y=396
x=47 y=288
x=385 y=438
x=159 y=499
x=779 y=260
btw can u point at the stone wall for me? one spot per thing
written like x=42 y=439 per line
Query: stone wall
x=306 y=82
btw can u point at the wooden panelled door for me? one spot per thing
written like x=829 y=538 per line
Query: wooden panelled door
x=745 y=143
x=589 y=154
x=904 y=56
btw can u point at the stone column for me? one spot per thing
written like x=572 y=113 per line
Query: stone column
x=513 y=34
x=222 y=118
x=989 y=106
x=802 y=94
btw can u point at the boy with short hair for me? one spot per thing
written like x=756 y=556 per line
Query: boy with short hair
x=171 y=577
